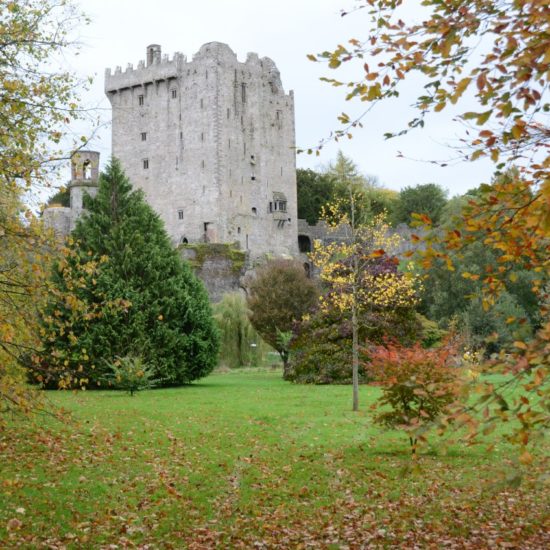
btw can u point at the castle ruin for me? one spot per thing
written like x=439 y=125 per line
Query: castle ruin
x=211 y=143
x=84 y=179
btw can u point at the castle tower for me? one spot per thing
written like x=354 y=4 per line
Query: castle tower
x=211 y=143
x=84 y=179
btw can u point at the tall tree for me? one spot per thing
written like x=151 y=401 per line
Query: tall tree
x=428 y=199
x=142 y=298
x=37 y=103
x=314 y=190
x=360 y=272
x=496 y=52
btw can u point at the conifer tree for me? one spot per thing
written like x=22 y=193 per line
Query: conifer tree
x=141 y=297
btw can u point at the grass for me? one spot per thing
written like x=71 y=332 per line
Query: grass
x=244 y=459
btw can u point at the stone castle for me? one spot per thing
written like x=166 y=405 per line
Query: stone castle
x=211 y=142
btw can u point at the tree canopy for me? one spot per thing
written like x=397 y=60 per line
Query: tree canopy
x=496 y=53
x=428 y=199
x=279 y=295
x=141 y=297
x=37 y=103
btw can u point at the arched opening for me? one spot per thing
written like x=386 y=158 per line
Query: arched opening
x=87 y=170
x=304 y=243
x=184 y=240
x=307 y=269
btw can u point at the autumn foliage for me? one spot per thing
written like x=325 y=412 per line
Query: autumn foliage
x=495 y=53
x=417 y=385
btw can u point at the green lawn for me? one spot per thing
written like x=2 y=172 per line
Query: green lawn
x=247 y=460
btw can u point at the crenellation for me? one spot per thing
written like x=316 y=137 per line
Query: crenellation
x=237 y=125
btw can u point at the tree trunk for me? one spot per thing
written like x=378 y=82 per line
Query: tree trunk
x=354 y=321
x=355 y=357
x=286 y=364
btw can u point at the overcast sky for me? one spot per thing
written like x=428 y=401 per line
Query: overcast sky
x=286 y=31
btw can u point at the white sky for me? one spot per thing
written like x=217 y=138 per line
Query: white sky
x=286 y=31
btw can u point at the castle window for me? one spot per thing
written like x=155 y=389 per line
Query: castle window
x=202 y=136
x=184 y=240
x=180 y=214
x=143 y=136
x=228 y=112
x=145 y=164
x=141 y=100
x=202 y=103
x=202 y=164
x=254 y=211
x=229 y=143
x=87 y=170
x=243 y=92
x=239 y=230
x=253 y=177
x=279 y=203
x=174 y=93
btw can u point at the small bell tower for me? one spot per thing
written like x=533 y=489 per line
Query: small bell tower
x=84 y=179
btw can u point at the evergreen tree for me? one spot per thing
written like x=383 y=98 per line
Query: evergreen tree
x=429 y=199
x=142 y=299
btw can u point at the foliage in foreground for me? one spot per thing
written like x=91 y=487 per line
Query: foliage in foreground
x=497 y=52
x=37 y=103
x=142 y=299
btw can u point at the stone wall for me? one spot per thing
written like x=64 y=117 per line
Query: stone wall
x=211 y=143
x=220 y=267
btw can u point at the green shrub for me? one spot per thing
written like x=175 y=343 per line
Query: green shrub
x=321 y=351
x=131 y=374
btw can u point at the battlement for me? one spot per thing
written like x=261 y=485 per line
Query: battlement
x=157 y=66
x=154 y=68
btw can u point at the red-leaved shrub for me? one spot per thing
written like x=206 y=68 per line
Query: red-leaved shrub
x=417 y=385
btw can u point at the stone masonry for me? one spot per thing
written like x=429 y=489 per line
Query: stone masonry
x=211 y=143
x=84 y=179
